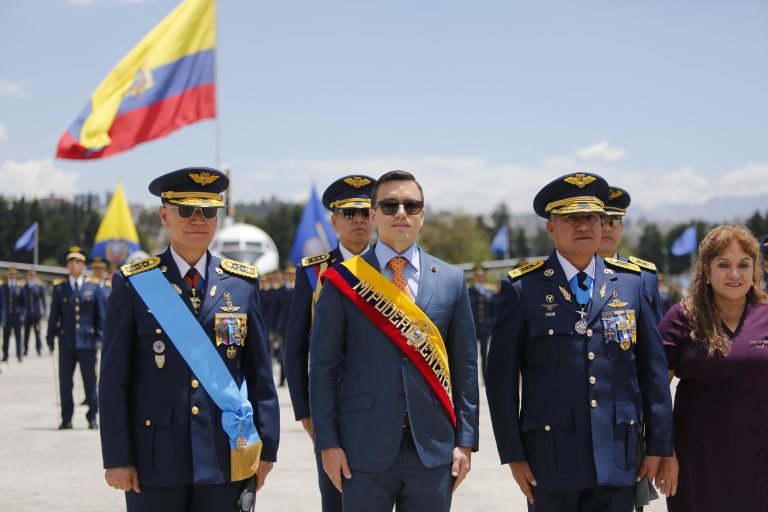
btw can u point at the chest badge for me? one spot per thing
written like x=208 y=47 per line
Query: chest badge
x=231 y=352
x=566 y=294
x=602 y=290
x=213 y=291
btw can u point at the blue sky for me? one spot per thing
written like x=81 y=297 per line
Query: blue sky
x=483 y=101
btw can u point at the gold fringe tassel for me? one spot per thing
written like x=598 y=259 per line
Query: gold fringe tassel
x=244 y=462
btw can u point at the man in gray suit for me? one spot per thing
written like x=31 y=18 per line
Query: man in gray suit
x=393 y=380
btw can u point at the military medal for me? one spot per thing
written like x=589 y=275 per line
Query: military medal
x=231 y=352
x=160 y=360
x=581 y=325
x=158 y=347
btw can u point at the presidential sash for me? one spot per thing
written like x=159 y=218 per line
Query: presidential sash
x=189 y=338
x=400 y=320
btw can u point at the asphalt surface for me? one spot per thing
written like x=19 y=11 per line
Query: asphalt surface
x=42 y=468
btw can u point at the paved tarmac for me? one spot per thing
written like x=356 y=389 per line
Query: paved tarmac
x=44 y=469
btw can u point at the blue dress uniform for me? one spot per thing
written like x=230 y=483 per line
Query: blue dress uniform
x=482 y=300
x=588 y=382
x=347 y=192
x=156 y=414
x=14 y=312
x=36 y=306
x=76 y=319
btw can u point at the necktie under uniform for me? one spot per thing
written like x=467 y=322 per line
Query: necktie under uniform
x=580 y=284
x=397 y=264
x=194 y=285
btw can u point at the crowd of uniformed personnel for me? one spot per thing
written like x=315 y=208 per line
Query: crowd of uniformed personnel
x=379 y=345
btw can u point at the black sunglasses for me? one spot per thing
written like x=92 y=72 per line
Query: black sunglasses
x=350 y=213
x=390 y=207
x=611 y=221
x=186 y=212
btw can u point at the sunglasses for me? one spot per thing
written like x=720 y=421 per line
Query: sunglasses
x=186 y=212
x=351 y=213
x=614 y=222
x=390 y=207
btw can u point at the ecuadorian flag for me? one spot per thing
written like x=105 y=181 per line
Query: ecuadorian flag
x=166 y=81
x=116 y=238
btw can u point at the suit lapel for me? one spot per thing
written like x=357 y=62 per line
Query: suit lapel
x=558 y=285
x=427 y=279
x=213 y=288
x=171 y=272
x=371 y=259
x=601 y=290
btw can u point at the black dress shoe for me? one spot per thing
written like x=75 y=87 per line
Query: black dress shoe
x=92 y=425
x=65 y=425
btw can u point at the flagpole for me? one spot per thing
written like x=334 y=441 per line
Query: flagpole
x=37 y=238
x=217 y=137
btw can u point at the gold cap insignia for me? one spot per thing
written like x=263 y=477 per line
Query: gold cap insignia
x=614 y=194
x=580 y=180
x=203 y=178
x=357 y=181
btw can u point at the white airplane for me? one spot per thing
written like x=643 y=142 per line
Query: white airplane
x=246 y=243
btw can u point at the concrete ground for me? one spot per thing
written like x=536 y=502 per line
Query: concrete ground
x=44 y=469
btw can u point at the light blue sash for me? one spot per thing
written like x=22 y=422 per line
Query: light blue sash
x=196 y=348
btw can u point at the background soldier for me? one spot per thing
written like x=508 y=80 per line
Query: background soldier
x=77 y=319
x=349 y=198
x=36 y=306
x=582 y=334
x=188 y=400
x=13 y=298
x=482 y=299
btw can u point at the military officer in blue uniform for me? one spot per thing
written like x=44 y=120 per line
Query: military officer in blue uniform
x=613 y=228
x=99 y=275
x=582 y=335
x=481 y=297
x=14 y=313
x=77 y=320
x=349 y=200
x=174 y=438
x=36 y=307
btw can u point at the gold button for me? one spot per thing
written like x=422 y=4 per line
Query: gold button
x=158 y=331
x=547 y=428
x=148 y=423
x=195 y=383
x=592 y=379
x=589 y=332
x=195 y=410
x=593 y=403
x=77 y=308
x=77 y=317
x=591 y=356
x=77 y=326
x=631 y=422
x=551 y=332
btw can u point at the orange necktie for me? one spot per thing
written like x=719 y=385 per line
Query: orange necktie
x=397 y=265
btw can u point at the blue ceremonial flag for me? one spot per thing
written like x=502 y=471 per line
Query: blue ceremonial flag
x=314 y=234
x=685 y=243
x=26 y=241
x=500 y=243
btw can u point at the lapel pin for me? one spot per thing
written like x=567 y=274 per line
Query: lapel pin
x=433 y=269
x=213 y=291
x=219 y=271
x=164 y=269
x=549 y=272
x=602 y=290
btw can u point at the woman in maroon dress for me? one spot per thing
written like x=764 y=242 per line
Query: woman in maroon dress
x=717 y=344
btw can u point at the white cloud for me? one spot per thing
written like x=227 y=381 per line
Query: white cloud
x=601 y=152
x=12 y=88
x=37 y=178
x=3 y=133
x=748 y=181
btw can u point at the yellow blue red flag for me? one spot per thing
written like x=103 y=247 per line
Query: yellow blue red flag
x=165 y=82
x=116 y=238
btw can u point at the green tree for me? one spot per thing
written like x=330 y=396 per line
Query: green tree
x=455 y=238
x=651 y=246
x=541 y=243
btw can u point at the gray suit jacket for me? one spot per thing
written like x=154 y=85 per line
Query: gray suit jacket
x=361 y=384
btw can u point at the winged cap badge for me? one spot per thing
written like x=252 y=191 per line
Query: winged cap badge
x=203 y=178
x=357 y=181
x=580 y=180
x=614 y=194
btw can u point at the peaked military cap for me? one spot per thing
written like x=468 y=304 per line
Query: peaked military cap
x=98 y=262
x=192 y=186
x=617 y=203
x=349 y=192
x=581 y=192
x=75 y=253
x=764 y=246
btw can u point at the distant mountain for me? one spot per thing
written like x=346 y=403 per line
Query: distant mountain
x=736 y=209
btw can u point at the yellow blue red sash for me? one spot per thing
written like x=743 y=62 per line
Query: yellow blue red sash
x=402 y=321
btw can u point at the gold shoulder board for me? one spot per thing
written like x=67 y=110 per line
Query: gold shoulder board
x=92 y=280
x=647 y=265
x=140 y=266
x=108 y=283
x=57 y=282
x=622 y=264
x=240 y=269
x=528 y=267
x=314 y=260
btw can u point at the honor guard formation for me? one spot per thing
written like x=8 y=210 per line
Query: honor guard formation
x=384 y=349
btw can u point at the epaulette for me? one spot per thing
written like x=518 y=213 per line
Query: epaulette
x=92 y=280
x=647 y=265
x=622 y=264
x=57 y=282
x=140 y=266
x=240 y=269
x=108 y=283
x=528 y=267
x=314 y=260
